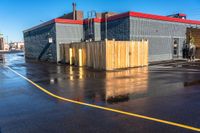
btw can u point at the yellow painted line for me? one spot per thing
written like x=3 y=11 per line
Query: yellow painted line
x=108 y=109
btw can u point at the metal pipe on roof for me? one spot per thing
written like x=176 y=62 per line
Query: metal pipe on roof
x=74 y=10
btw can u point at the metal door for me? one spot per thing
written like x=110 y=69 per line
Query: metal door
x=175 y=47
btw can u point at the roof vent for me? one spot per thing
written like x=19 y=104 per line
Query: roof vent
x=178 y=15
x=74 y=10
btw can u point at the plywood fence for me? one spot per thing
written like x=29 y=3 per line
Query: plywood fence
x=195 y=34
x=106 y=55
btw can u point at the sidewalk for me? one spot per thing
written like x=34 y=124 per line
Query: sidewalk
x=172 y=61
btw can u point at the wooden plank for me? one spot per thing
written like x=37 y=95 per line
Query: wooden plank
x=135 y=54
x=67 y=53
x=109 y=55
x=79 y=53
x=142 y=53
x=104 y=54
x=127 y=54
x=146 y=48
x=117 y=55
x=132 y=51
x=120 y=55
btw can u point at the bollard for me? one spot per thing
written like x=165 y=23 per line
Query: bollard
x=70 y=56
x=80 y=58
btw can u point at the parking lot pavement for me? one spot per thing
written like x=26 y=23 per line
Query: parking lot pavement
x=168 y=92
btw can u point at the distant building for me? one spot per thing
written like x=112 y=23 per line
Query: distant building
x=1 y=43
x=166 y=34
x=4 y=46
x=16 y=45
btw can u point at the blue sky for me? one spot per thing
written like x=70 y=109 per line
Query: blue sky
x=18 y=15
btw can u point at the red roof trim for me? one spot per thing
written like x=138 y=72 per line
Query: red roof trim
x=162 y=18
x=85 y=21
x=68 y=21
x=96 y=20
x=119 y=16
x=147 y=16
x=57 y=20
x=101 y=20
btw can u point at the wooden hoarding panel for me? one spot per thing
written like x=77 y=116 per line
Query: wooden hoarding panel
x=107 y=55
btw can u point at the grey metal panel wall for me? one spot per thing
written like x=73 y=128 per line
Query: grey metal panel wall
x=97 y=31
x=86 y=31
x=37 y=39
x=116 y=29
x=66 y=33
x=160 y=35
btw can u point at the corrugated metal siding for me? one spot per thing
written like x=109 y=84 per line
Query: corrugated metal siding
x=67 y=33
x=36 y=40
x=97 y=31
x=86 y=32
x=117 y=29
x=160 y=35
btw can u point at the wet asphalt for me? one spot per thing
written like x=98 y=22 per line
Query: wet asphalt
x=168 y=91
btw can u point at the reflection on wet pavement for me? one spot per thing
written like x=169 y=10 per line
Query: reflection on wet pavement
x=161 y=91
x=120 y=85
x=108 y=87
